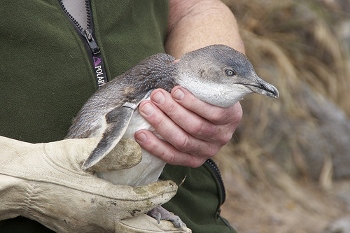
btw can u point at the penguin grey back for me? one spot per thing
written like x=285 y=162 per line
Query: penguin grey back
x=157 y=71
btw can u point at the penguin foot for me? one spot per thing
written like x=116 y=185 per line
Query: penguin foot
x=159 y=213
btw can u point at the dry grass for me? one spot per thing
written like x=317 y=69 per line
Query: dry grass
x=271 y=186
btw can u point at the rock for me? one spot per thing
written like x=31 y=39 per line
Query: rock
x=341 y=225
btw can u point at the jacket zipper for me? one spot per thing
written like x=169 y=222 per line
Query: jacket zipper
x=94 y=51
x=216 y=172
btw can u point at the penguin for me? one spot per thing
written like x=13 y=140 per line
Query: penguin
x=216 y=74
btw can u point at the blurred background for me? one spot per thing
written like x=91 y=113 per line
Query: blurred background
x=287 y=168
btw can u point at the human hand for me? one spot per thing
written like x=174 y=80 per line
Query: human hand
x=192 y=129
x=45 y=182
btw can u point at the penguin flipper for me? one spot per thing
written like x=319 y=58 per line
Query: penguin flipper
x=117 y=122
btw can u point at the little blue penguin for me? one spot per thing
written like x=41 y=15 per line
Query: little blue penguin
x=216 y=74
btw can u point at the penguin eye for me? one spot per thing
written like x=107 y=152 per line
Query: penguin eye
x=230 y=72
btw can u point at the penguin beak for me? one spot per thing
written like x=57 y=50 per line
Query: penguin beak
x=259 y=86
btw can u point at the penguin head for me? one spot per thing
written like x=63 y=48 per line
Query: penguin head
x=220 y=75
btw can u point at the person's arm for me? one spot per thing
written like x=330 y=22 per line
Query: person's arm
x=194 y=24
x=194 y=130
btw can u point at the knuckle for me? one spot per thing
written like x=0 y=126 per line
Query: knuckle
x=219 y=117
x=163 y=152
x=195 y=162
x=197 y=129
x=157 y=121
x=202 y=154
x=203 y=130
x=168 y=157
x=170 y=108
x=231 y=115
x=225 y=138
x=211 y=151
x=237 y=117
x=183 y=143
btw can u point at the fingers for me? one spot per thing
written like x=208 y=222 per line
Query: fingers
x=192 y=123
x=214 y=114
x=167 y=152
x=171 y=131
x=193 y=130
x=172 y=127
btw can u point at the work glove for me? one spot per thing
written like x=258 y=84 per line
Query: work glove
x=45 y=182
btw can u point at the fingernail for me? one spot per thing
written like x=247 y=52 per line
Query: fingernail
x=178 y=94
x=147 y=109
x=158 y=97
x=141 y=137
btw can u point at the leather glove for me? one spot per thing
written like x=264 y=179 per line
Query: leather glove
x=45 y=182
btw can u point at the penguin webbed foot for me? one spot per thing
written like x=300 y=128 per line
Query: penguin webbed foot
x=160 y=213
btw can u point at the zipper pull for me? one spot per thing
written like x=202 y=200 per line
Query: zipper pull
x=97 y=60
x=91 y=41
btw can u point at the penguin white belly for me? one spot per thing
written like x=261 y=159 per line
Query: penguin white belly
x=147 y=171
